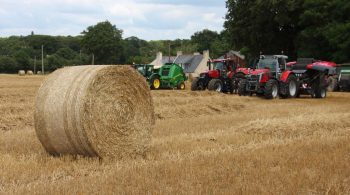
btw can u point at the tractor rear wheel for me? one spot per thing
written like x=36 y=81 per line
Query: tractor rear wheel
x=271 y=89
x=291 y=87
x=242 y=87
x=233 y=86
x=181 y=86
x=215 y=85
x=197 y=84
x=155 y=83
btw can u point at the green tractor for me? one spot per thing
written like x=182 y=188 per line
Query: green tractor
x=169 y=76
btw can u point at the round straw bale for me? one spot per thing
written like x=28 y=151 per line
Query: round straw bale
x=102 y=111
x=29 y=72
x=21 y=73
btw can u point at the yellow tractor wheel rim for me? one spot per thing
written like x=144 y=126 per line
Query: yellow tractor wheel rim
x=182 y=86
x=156 y=83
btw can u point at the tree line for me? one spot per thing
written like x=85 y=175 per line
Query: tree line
x=98 y=44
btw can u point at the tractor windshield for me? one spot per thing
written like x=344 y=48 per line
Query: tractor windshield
x=219 y=66
x=267 y=63
x=141 y=70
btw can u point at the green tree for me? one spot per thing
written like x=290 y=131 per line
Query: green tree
x=8 y=64
x=270 y=26
x=104 y=41
x=204 y=39
x=66 y=53
x=54 y=62
x=23 y=59
x=51 y=44
x=325 y=30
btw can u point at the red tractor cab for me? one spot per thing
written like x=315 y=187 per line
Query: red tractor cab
x=274 y=77
x=220 y=77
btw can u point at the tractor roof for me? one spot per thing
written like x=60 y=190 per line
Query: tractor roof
x=273 y=56
x=142 y=65
x=220 y=60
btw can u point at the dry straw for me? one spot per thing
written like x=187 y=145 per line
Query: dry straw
x=104 y=111
x=21 y=73
x=29 y=72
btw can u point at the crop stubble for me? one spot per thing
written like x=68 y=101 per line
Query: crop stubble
x=202 y=143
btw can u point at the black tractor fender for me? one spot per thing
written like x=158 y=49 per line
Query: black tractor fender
x=153 y=76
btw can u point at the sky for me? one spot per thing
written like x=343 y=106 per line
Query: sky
x=146 y=19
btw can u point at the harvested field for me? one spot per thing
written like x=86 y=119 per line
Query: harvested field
x=203 y=143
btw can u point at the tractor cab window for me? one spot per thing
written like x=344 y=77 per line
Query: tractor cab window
x=282 y=63
x=219 y=66
x=141 y=69
x=267 y=63
x=149 y=69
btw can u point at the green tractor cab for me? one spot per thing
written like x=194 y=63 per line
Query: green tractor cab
x=169 y=76
x=145 y=70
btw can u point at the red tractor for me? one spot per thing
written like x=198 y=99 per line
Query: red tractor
x=221 y=77
x=273 y=77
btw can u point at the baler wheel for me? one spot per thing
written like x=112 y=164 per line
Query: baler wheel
x=181 y=86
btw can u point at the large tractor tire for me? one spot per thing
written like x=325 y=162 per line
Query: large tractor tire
x=155 y=83
x=197 y=84
x=233 y=86
x=215 y=85
x=271 y=89
x=237 y=79
x=181 y=86
x=291 y=87
x=242 y=87
x=320 y=87
x=332 y=84
x=321 y=92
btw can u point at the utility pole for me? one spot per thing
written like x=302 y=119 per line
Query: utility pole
x=169 y=52
x=35 y=65
x=93 y=59
x=42 y=59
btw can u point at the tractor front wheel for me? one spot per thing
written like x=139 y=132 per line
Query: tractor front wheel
x=271 y=89
x=155 y=83
x=197 y=84
x=215 y=85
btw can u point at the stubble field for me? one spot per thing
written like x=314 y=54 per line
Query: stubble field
x=203 y=143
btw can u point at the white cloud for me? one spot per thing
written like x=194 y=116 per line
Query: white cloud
x=146 y=19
